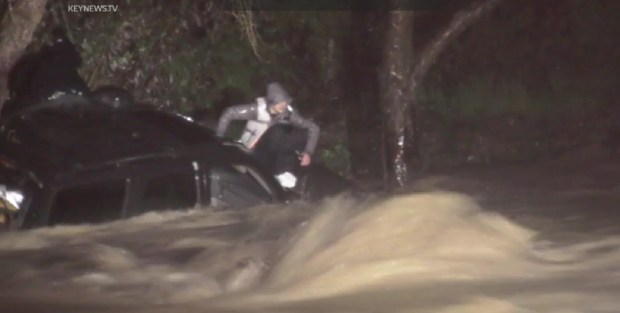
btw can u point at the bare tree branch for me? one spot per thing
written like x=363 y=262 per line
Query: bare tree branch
x=459 y=23
x=245 y=18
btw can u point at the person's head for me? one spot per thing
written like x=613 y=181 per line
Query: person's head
x=278 y=108
x=278 y=100
x=62 y=50
x=59 y=35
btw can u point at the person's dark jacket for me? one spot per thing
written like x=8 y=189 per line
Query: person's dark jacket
x=52 y=70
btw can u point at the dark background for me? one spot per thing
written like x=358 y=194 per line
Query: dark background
x=529 y=80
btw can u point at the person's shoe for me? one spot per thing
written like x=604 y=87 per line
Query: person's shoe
x=287 y=180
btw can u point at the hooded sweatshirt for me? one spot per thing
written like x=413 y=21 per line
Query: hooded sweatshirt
x=259 y=119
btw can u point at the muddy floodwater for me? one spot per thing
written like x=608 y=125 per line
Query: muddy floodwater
x=543 y=237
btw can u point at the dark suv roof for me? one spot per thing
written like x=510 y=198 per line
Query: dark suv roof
x=73 y=132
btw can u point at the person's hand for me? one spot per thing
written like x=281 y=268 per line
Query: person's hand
x=305 y=159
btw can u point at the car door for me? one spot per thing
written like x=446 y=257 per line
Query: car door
x=237 y=185
x=163 y=186
x=94 y=201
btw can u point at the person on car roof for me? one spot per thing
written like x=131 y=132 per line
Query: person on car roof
x=47 y=74
x=268 y=133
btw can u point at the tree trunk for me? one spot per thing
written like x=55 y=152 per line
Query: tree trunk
x=399 y=83
x=16 y=30
x=395 y=74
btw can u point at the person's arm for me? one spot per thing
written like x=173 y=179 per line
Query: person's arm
x=238 y=112
x=311 y=127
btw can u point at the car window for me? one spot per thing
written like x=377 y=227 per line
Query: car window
x=169 y=191
x=238 y=186
x=89 y=203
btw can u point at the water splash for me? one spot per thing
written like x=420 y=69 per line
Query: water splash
x=427 y=252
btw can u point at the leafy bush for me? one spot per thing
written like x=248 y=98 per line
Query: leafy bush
x=337 y=158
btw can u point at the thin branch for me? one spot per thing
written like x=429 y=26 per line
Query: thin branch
x=459 y=23
x=63 y=13
x=245 y=18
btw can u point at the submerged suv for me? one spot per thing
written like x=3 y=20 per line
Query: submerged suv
x=71 y=160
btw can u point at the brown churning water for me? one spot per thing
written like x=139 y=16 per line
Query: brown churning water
x=423 y=252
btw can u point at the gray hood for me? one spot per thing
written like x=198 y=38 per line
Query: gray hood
x=277 y=94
